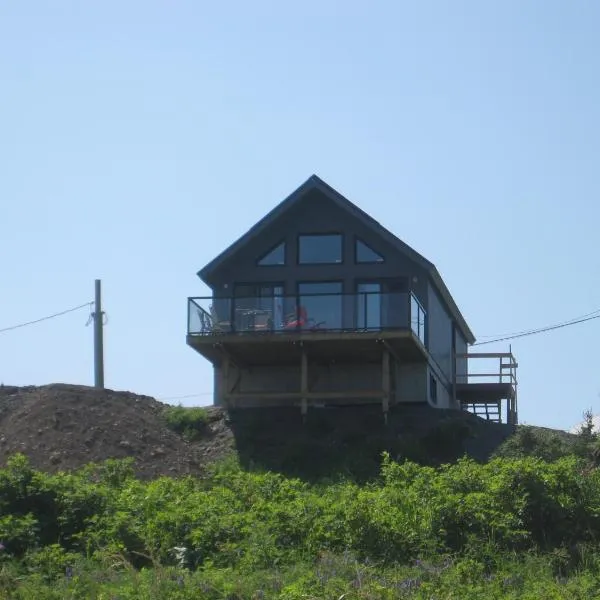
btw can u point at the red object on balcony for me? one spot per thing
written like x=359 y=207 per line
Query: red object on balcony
x=299 y=321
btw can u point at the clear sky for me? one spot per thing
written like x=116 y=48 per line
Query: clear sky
x=139 y=139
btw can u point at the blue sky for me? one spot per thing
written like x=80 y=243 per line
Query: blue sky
x=138 y=139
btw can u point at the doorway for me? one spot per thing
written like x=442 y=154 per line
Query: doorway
x=368 y=305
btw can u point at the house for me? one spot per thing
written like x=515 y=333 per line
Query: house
x=318 y=304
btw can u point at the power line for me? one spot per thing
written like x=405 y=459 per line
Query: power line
x=185 y=396
x=58 y=314
x=540 y=330
x=525 y=331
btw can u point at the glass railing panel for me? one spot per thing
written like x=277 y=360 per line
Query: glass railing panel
x=369 y=311
x=417 y=318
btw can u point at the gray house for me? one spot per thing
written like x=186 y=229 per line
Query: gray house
x=318 y=304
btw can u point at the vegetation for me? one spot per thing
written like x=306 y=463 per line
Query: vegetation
x=518 y=527
x=190 y=422
x=550 y=444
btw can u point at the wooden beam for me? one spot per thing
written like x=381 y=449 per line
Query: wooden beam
x=297 y=336
x=237 y=381
x=224 y=392
x=485 y=355
x=230 y=355
x=391 y=350
x=304 y=382
x=377 y=394
x=506 y=375
x=385 y=375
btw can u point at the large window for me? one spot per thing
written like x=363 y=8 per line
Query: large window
x=258 y=307
x=275 y=256
x=320 y=304
x=368 y=306
x=320 y=249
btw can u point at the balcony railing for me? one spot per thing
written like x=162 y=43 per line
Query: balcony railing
x=496 y=367
x=370 y=311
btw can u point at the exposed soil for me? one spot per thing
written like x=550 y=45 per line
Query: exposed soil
x=63 y=427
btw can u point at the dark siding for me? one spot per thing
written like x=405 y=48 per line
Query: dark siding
x=461 y=363
x=317 y=214
x=442 y=390
x=440 y=333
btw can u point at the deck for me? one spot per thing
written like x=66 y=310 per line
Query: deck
x=491 y=392
x=287 y=348
x=334 y=327
x=325 y=329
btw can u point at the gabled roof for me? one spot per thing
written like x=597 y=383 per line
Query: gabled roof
x=315 y=183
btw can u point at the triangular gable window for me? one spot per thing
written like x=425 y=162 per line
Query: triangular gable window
x=275 y=256
x=366 y=254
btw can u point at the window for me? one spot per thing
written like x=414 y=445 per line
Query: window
x=275 y=256
x=366 y=254
x=321 y=304
x=368 y=306
x=433 y=389
x=258 y=306
x=320 y=249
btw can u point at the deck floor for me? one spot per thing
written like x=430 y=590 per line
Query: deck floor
x=484 y=393
x=286 y=348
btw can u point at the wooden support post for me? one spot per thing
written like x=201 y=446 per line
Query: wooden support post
x=385 y=375
x=225 y=381
x=304 y=384
x=511 y=417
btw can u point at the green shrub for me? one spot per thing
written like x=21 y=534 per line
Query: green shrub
x=504 y=529
x=536 y=442
x=190 y=422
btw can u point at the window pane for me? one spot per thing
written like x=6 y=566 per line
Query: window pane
x=274 y=257
x=261 y=311
x=369 y=306
x=320 y=249
x=324 y=311
x=366 y=254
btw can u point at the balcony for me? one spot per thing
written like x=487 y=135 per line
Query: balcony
x=488 y=388
x=333 y=320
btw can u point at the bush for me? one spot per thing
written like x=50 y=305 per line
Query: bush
x=190 y=422
x=417 y=530
x=536 y=442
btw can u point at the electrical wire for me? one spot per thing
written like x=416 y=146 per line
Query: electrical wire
x=541 y=330
x=163 y=399
x=58 y=314
x=525 y=331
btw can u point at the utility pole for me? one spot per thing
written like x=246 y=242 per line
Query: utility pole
x=98 y=317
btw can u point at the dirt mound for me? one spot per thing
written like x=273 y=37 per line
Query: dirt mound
x=62 y=427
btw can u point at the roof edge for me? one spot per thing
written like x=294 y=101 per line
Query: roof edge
x=447 y=296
